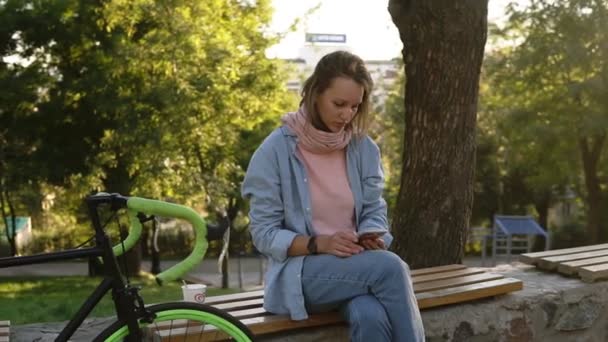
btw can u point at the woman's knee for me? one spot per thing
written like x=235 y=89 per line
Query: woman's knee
x=367 y=313
x=389 y=263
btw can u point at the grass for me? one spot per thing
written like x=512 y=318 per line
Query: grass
x=54 y=299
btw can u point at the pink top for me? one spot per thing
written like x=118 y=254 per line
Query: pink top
x=333 y=205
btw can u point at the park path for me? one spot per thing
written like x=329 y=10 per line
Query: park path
x=249 y=276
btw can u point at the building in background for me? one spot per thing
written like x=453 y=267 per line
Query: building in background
x=316 y=45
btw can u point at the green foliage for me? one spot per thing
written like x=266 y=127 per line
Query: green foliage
x=63 y=233
x=155 y=99
x=475 y=238
x=487 y=179
x=543 y=98
x=473 y=248
x=391 y=129
x=569 y=235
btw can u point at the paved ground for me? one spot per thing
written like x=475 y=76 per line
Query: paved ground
x=207 y=271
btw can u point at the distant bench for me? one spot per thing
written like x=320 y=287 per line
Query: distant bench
x=5 y=331
x=435 y=286
x=590 y=263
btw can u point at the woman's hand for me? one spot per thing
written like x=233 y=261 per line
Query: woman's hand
x=372 y=241
x=341 y=244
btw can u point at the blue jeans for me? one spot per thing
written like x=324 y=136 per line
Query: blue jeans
x=372 y=289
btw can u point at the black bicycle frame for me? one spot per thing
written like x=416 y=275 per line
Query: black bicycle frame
x=124 y=300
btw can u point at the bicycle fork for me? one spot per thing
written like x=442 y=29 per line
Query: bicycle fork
x=130 y=308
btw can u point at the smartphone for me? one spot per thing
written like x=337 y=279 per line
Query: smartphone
x=369 y=233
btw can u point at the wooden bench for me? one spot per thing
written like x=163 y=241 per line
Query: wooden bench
x=590 y=263
x=5 y=331
x=433 y=287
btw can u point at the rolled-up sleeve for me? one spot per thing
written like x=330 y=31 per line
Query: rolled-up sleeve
x=374 y=209
x=262 y=186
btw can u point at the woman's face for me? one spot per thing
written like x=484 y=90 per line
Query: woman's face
x=339 y=103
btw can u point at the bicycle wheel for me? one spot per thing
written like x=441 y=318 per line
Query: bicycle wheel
x=182 y=321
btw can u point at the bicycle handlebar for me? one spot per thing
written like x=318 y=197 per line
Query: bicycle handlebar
x=137 y=205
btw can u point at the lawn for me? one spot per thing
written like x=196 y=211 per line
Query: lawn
x=45 y=299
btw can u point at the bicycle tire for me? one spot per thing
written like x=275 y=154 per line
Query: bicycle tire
x=198 y=318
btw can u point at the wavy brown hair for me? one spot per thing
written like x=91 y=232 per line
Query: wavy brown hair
x=332 y=65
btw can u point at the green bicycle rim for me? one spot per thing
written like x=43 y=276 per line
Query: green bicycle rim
x=190 y=314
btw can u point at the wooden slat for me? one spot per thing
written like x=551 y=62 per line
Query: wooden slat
x=468 y=292
x=248 y=313
x=278 y=323
x=593 y=273
x=532 y=258
x=234 y=297
x=451 y=282
x=5 y=331
x=447 y=275
x=246 y=304
x=551 y=263
x=437 y=269
x=589 y=262
x=572 y=267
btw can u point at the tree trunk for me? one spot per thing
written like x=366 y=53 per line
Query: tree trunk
x=542 y=204
x=443 y=50
x=10 y=234
x=235 y=202
x=591 y=150
x=225 y=221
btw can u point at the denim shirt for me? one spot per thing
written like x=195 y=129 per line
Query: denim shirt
x=276 y=184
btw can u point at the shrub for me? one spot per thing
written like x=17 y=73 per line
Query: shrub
x=569 y=235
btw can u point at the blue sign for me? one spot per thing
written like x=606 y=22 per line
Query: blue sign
x=325 y=38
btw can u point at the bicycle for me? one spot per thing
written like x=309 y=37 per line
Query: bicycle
x=135 y=321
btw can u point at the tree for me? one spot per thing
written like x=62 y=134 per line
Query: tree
x=144 y=98
x=532 y=165
x=551 y=80
x=389 y=136
x=443 y=50
x=18 y=101
x=200 y=84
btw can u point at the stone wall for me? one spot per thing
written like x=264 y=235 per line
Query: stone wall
x=549 y=308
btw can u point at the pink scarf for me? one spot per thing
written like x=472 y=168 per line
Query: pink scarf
x=312 y=139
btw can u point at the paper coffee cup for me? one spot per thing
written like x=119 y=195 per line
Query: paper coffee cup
x=194 y=292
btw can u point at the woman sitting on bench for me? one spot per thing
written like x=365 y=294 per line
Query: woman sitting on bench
x=317 y=212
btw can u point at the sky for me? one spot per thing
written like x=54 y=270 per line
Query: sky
x=367 y=24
